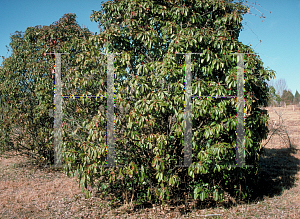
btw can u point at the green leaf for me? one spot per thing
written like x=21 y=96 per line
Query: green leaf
x=206 y=133
x=202 y=195
x=215 y=195
x=196 y=193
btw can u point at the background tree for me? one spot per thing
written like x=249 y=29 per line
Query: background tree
x=287 y=97
x=149 y=139
x=297 y=98
x=273 y=97
x=280 y=86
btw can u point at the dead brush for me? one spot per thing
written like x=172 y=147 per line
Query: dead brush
x=279 y=128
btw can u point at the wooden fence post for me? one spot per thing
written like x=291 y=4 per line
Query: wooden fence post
x=240 y=129
x=58 y=112
x=188 y=112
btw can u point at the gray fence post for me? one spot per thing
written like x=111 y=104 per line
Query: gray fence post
x=110 y=140
x=187 y=114
x=110 y=112
x=240 y=129
x=57 y=111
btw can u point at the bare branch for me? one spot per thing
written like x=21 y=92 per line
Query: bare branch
x=280 y=86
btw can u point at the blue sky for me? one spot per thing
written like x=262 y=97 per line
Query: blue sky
x=275 y=38
x=279 y=33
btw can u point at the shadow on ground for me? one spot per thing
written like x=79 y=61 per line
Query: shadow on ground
x=278 y=172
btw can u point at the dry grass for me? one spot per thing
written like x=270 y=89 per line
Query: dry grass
x=30 y=192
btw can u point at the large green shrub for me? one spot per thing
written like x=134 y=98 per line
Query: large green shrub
x=27 y=86
x=149 y=138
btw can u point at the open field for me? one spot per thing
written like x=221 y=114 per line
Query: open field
x=30 y=192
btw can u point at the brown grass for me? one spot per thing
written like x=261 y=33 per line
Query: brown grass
x=30 y=192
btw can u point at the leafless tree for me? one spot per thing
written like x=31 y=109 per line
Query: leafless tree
x=280 y=86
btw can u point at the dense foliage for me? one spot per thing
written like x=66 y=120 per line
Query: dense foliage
x=27 y=87
x=149 y=137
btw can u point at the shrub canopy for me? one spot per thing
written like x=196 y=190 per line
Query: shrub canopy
x=149 y=82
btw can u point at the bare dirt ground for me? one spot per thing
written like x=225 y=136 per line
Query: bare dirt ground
x=30 y=192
